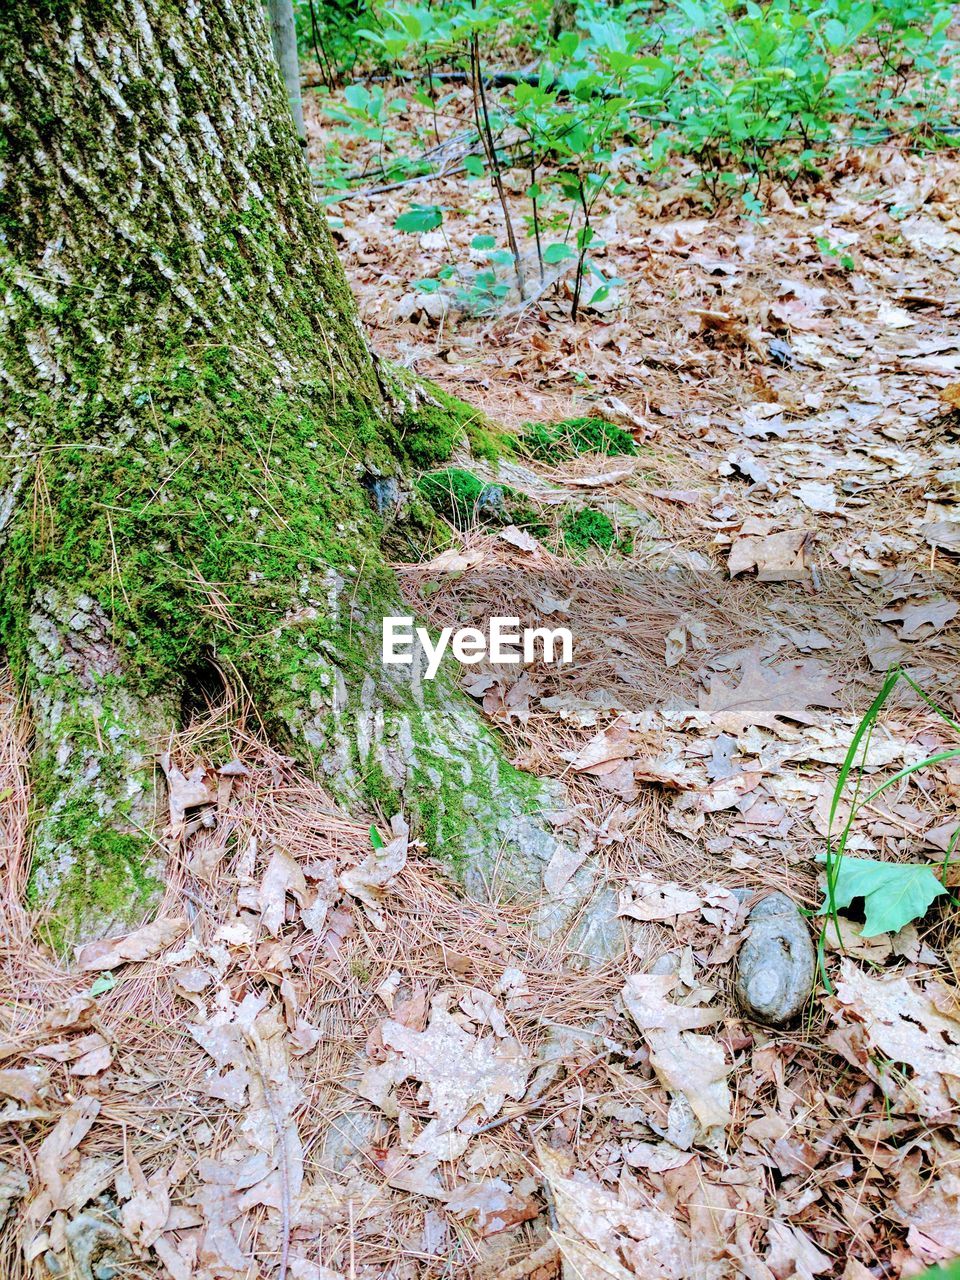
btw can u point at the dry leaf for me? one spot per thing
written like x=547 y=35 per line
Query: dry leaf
x=459 y=1071
x=602 y=1237
x=648 y=899
x=777 y=557
x=185 y=792
x=696 y=1067
x=895 y=1019
x=645 y=995
x=368 y=881
x=768 y=694
x=519 y=538
x=492 y=1205
x=110 y=953
x=282 y=876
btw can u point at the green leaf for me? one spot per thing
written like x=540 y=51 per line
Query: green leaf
x=554 y=253
x=834 y=32
x=376 y=839
x=105 y=982
x=894 y=893
x=483 y=242
x=474 y=166
x=422 y=217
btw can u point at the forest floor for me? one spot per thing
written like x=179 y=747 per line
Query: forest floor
x=786 y=530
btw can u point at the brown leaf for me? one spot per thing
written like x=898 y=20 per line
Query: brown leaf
x=645 y=995
x=777 y=557
x=922 y=620
x=696 y=1067
x=282 y=876
x=185 y=792
x=768 y=694
x=648 y=899
x=460 y=1072
x=110 y=953
x=492 y=1204
x=603 y=1237
x=895 y=1019
x=371 y=878
x=24 y=1085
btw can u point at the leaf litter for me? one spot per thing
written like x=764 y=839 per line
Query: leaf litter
x=319 y=1060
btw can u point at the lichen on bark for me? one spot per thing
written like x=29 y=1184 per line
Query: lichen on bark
x=191 y=419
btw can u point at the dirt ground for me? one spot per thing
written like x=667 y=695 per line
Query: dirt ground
x=322 y=1061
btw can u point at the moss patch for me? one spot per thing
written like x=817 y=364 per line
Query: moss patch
x=429 y=432
x=551 y=440
x=588 y=528
x=461 y=497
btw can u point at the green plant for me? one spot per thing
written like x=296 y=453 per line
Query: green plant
x=460 y=496
x=894 y=893
x=550 y=440
x=755 y=94
x=588 y=528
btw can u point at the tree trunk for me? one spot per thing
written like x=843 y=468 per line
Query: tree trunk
x=283 y=34
x=193 y=427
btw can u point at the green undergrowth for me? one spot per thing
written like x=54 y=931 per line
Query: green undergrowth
x=430 y=431
x=588 y=529
x=465 y=500
x=556 y=441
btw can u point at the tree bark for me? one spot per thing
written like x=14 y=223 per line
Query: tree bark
x=283 y=34
x=192 y=428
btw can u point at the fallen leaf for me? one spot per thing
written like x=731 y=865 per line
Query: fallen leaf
x=603 y=1237
x=777 y=557
x=110 y=953
x=766 y=695
x=648 y=899
x=922 y=620
x=460 y=1072
x=696 y=1067
x=519 y=538
x=368 y=881
x=899 y=1021
x=185 y=792
x=282 y=876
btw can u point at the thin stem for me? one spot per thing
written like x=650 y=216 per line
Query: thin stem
x=486 y=133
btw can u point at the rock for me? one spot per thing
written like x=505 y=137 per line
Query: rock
x=98 y=1248
x=384 y=492
x=777 y=963
x=14 y=1185
x=346 y=1139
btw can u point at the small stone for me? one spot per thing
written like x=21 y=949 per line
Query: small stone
x=777 y=964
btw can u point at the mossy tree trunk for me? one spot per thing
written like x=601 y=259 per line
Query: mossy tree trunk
x=192 y=425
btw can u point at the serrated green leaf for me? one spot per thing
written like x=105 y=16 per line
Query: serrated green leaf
x=894 y=893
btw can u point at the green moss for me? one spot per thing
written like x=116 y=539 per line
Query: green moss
x=379 y=790
x=460 y=496
x=550 y=441
x=109 y=877
x=588 y=528
x=431 y=431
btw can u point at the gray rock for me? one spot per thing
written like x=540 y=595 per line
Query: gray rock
x=346 y=1139
x=98 y=1248
x=777 y=964
x=14 y=1185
